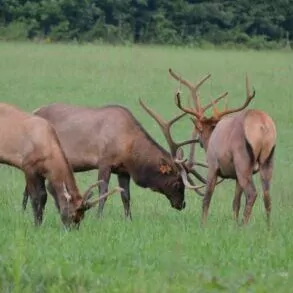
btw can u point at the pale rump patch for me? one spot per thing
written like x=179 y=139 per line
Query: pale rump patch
x=260 y=132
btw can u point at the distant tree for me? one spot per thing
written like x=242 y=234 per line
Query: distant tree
x=149 y=21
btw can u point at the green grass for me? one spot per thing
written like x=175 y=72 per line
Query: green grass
x=162 y=250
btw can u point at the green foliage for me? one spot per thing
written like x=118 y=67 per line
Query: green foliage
x=149 y=21
x=14 y=31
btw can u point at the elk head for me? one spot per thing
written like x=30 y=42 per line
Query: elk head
x=204 y=126
x=178 y=167
x=73 y=213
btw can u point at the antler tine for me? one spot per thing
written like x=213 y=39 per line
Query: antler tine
x=165 y=127
x=92 y=203
x=192 y=87
x=200 y=164
x=186 y=182
x=212 y=103
x=186 y=110
x=202 y=186
x=249 y=97
x=197 y=175
x=192 y=150
x=88 y=193
x=196 y=190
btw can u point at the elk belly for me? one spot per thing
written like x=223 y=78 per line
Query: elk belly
x=227 y=169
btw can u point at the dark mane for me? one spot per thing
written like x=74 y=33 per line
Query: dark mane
x=138 y=124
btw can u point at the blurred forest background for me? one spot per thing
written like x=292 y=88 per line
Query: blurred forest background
x=238 y=23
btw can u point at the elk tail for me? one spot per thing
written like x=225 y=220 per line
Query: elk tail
x=250 y=152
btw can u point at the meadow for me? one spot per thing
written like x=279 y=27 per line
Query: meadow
x=161 y=250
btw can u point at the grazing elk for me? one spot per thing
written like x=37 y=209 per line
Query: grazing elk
x=30 y=144
x=112 y=140
x=237 y=146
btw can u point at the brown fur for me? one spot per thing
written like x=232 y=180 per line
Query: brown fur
x=241 y=144
x=238 y=144
x=30 y=144
x=260 y=133
x=112 y=140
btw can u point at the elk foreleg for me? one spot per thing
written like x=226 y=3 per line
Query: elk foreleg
x=124 y=181
x=104 y=174
x=35 y=187
x=237 y=201
x=211 y=183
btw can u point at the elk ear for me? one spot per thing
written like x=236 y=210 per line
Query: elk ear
x=165 y=168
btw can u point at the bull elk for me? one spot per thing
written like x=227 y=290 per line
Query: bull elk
x=112 y=140
x=30 y=144
x=236 y=145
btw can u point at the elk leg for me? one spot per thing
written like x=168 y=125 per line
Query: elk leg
x=266 y=171
x=237 y=201
x=244 y=170
x=25 y=198
x=37 y=190
x=54 y=195
x=211 y=183
x=249 y=189
x=104 y=174
x=124 y=181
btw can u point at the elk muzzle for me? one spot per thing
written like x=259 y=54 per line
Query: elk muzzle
x=178 y=205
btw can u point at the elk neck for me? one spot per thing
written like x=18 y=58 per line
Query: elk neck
x=61 y=176
x=147 y=159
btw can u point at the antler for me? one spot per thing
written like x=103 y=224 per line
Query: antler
x=197 y=114
x=90 y=204
x=249 y=97
x=165 y=127
x=88 y=193
x=175 y=148
x=190 y=163
x=192 y=87
x=187 y=178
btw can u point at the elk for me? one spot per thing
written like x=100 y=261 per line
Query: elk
x=30 y=144
x=238 y=143
x=111 y=140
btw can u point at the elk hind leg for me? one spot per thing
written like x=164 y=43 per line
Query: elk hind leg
x=237 y=201
x=124 y=181
x=266 y=172
x=244 y=176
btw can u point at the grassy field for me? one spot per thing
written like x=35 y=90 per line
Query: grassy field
x=161 y=250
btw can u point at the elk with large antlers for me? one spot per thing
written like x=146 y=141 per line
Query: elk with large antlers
x=112 y=140
x=237 y=146
x=30 y=144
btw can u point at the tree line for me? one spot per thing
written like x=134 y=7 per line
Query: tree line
x=251 y=23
